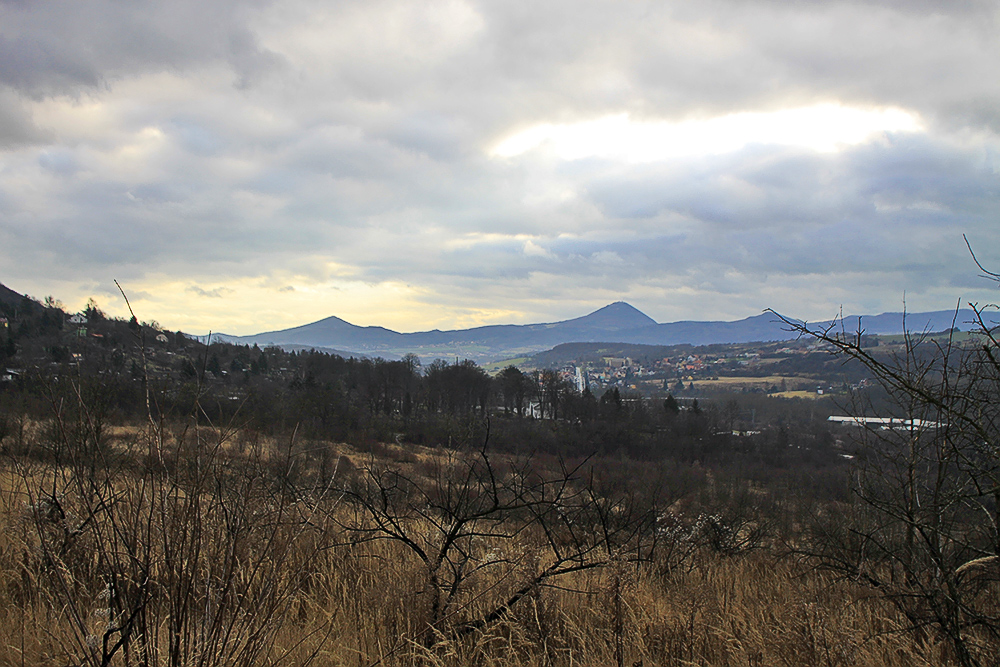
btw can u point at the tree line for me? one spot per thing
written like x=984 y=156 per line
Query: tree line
x=123 y=366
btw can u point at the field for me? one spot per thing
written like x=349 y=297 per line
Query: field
x=797 y=394
x=737 y=383
x=192 y=545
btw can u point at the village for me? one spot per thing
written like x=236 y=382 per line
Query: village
x=790 y=370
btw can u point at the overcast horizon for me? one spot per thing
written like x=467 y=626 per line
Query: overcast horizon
x=252 y=166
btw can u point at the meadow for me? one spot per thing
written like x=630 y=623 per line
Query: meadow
x=184 y=544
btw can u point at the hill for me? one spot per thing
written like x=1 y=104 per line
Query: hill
x=9 y=296
x=617 y=322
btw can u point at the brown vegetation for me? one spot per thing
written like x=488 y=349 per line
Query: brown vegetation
x=226 y=548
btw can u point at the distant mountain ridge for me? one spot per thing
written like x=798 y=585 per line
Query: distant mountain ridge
x=476 y=343
x=618 y=322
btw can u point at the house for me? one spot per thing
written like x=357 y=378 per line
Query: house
x=162 y=338
x=79 y=318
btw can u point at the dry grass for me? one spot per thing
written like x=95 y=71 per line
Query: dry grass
x=803 y=393
x=735 y=383
x=335 y=600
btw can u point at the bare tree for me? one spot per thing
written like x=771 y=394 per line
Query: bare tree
x=923 y=530
x=488 y=532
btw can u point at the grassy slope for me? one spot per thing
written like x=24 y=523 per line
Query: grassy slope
x=362 y=603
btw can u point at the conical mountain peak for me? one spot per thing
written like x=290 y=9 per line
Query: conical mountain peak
x=616 y=316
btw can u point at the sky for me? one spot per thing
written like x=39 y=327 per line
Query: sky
x=249 y=166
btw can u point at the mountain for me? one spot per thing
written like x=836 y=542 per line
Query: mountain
x=615 y=323
x=618 y=322
x=479 y=343
x=328 y=332
x=768 y=327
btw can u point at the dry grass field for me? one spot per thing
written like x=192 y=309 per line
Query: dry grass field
x=200 y=547
x=737 y=383
x=800 y=393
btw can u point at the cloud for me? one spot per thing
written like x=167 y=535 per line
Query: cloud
x=17 y=128
x=532 y=249
x=216 y=293
x=312 y=150
x=824 y=128
x=67 y=47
